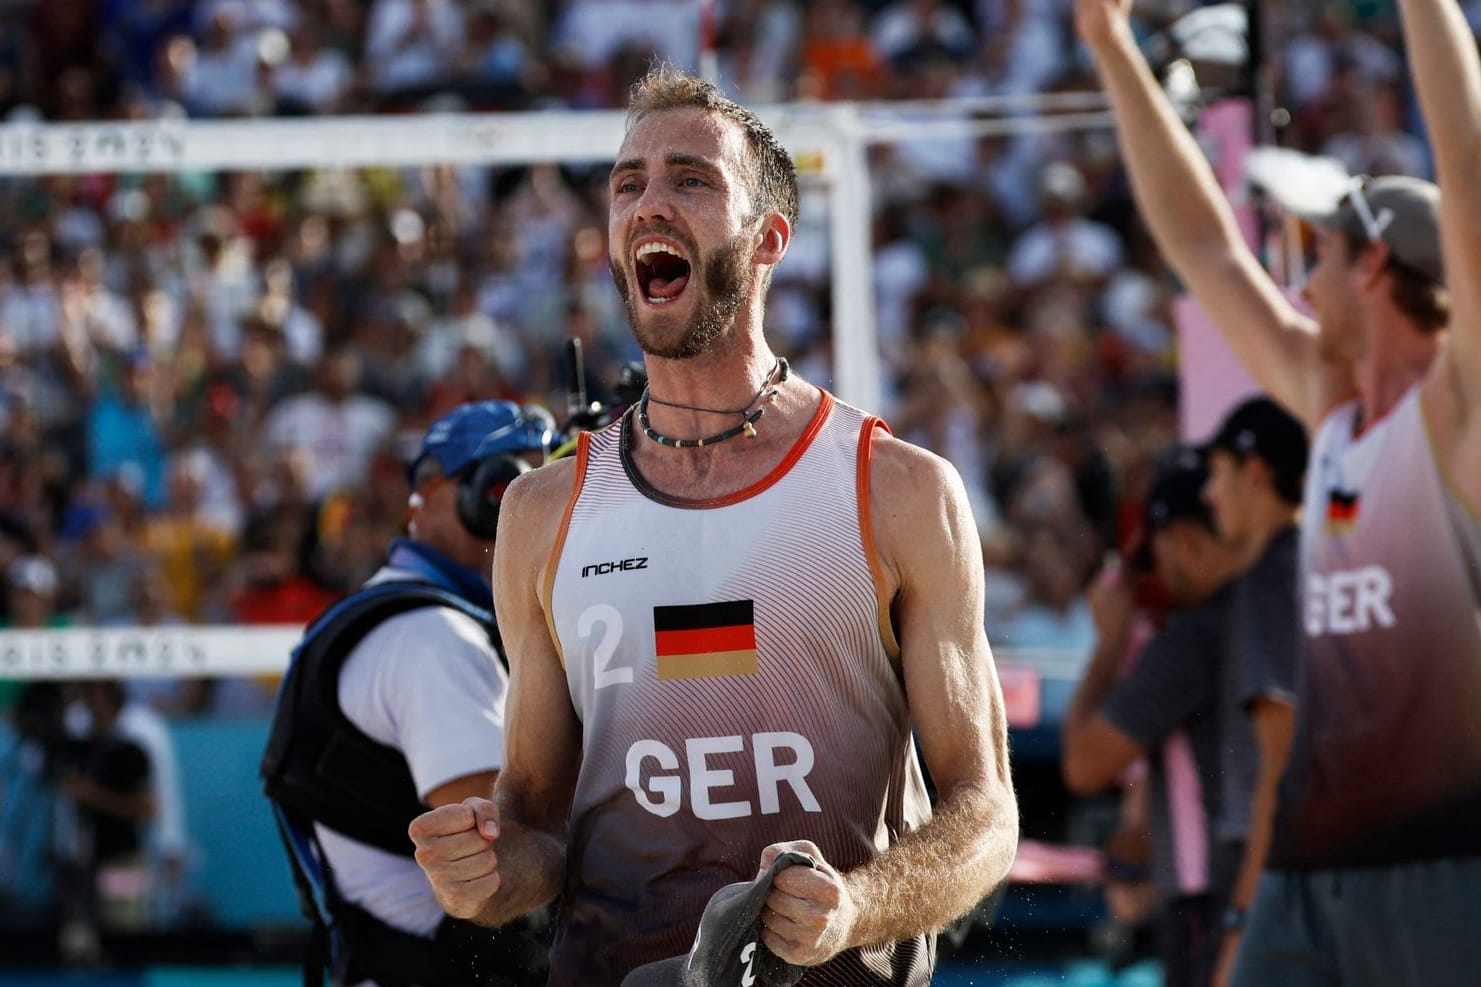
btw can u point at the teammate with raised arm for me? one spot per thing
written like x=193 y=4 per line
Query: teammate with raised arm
x=715 y=612
x=1376 y=850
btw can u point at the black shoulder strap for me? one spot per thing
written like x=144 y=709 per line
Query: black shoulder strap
x=319 y=767
x=319 y=764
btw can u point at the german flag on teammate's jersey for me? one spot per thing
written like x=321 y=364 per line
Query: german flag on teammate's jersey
x=1342 y=511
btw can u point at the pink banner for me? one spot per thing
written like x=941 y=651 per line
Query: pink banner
x=1224 y=133
x=1211 y=380
x=1022 y=695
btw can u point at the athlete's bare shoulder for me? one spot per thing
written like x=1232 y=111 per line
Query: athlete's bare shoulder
x=532 y=509
x=896 y=463
x=917 y=502
x=551 y=480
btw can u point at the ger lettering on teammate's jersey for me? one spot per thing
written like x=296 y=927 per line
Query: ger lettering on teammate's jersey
x=705 y=640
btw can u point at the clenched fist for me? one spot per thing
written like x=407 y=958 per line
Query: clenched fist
x=455 y=849
x=810 y=914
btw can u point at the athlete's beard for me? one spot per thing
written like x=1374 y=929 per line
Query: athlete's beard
x=727 y=283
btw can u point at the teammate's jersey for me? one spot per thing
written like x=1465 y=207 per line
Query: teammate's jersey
x=1386 y=762
x=731 y=662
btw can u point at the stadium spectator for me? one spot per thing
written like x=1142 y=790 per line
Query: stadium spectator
x=1172 y=708
x=907 y=29
x=32 y=756
x=1257 y=471
x=108 y=568
x=272 y=581
x=125 y=431
x=112 y=788
x=314 y=78
x=189 y=548
x=31 y=594
x=412 y=46
x=838 y=61
x=222 y=78
x=1064 y=249
x=336 y=424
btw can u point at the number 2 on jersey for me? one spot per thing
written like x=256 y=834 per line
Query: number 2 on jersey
x=610 y=620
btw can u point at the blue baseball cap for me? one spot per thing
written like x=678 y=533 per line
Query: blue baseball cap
x=470 y=433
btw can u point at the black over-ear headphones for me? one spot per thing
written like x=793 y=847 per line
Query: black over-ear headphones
x=481 y=487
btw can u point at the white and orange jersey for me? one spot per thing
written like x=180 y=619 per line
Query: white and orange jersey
x=1386 y=762
x=737 y=679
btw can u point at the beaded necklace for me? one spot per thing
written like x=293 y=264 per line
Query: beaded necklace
x=748 y=416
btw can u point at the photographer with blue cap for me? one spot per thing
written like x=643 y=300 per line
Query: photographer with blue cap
x=394 y=703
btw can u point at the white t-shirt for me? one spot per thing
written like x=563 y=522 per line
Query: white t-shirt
x=428 y=683
x=147 y=728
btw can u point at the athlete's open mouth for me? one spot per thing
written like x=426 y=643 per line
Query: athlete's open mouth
x=662 y=271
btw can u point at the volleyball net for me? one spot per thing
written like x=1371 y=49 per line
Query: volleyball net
x=830 y=144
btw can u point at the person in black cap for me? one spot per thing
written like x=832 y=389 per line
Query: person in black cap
x=1378 y=821
x=1171 y=708
x=1257 y=469
x=732 y=615
x=393 y=703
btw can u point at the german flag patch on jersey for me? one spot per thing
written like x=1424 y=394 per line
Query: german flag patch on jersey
x=1342 y=511
x=704 y=640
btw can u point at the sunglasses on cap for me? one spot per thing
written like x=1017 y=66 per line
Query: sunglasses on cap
x=1373 y=223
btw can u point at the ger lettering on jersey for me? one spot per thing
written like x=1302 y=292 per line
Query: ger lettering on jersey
x=733 y=692
x=1386 y=764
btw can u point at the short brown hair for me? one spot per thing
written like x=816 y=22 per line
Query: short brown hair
x=773 y=177
x=1419 y=296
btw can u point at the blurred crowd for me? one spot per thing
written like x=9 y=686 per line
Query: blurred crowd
x=209 y=382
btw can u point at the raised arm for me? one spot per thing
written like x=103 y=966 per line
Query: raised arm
x=493 y=865
x=1447 y=76
x=1195 y=228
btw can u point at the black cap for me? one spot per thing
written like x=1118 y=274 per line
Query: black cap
x=1176 y=495
x=1260 y=427
x=727 y=948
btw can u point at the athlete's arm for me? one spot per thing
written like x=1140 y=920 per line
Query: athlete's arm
x=494 y=861
x=929 y=547
x=1195 y=228
x=477 y=785
x=1274 y=721
x=1093 y=751
x=1447 y=77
